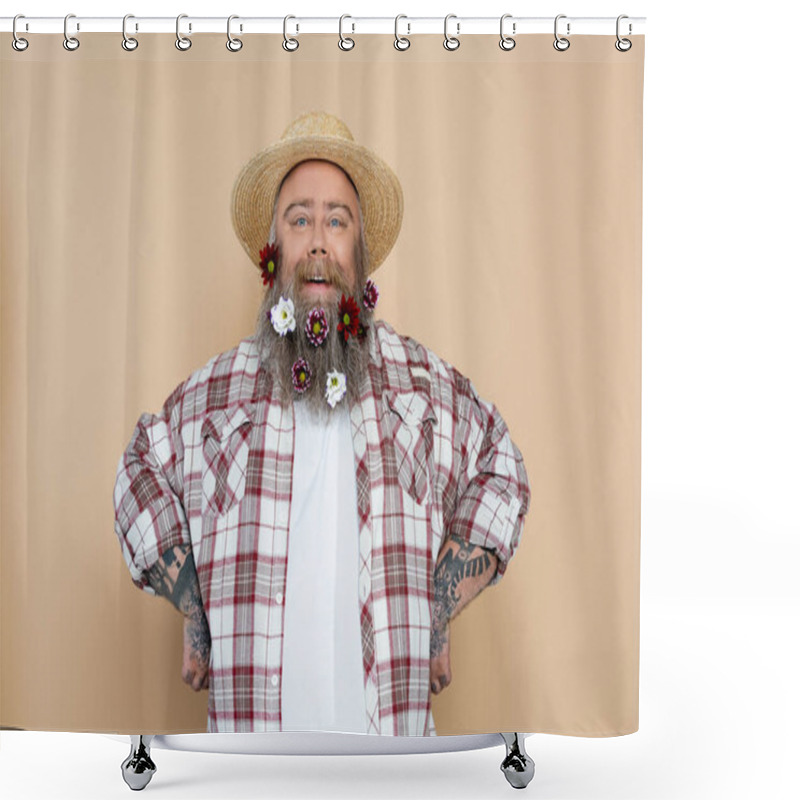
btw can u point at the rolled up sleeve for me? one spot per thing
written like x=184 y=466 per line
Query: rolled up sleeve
x=493 y=497
x=149 y=514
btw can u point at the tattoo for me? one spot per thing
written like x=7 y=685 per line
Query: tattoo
x=454 y=567
x=199 y=636
x=174 y=576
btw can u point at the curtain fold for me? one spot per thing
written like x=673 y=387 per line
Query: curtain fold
x=518 y=262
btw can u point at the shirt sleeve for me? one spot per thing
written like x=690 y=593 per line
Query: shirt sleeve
x=493 y=494
x=149 y=514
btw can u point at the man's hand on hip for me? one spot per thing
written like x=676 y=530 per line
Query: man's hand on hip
x=462 y=571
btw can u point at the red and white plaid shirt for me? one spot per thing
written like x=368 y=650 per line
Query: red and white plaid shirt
x=213 y=469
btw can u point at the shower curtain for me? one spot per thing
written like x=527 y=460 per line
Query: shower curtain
x=516 y=275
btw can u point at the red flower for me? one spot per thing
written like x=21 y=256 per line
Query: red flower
x=316 y=326
x=348 y=317
x=269 y=263
x=370 y=295
x=301 y=375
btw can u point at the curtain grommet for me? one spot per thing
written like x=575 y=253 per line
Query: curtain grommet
x=507 y=42
x=623 y=45
x=345 y=42
x=451 y=42
x=70 y=43
x=401 y=42
x=17 y=42
x=561 y=43
x=290 y=44
x=233 y=45
x=129 y=43
x=183 y=43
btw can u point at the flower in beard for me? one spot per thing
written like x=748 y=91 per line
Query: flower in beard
x=316 y=326
x=269 y=264
x=301 y=375
x=362 y=330
x=370 y=298
x=282 y=316
x=348 y=316
x=335 y=387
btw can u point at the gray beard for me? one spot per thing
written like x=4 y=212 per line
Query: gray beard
x=278 y=353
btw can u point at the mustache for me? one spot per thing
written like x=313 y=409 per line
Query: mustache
x=327 y=269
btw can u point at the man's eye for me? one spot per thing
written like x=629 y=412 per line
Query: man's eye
x=299 y=220
x=338 y=221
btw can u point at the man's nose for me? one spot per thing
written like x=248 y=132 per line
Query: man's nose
x=318 y=246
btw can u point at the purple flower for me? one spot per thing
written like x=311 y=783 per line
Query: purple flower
x=301 y=375
x=370 y=295
x=316 y=326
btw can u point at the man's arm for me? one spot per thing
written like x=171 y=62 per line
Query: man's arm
x=174 y=576
x=463 y=570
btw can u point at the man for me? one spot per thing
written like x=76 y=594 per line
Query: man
x=321 y=500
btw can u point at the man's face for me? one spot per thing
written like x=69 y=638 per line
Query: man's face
x=318 y=230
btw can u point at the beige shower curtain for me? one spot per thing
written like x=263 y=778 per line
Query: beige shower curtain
x=518 y=261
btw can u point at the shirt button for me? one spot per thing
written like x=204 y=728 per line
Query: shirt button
x=364 y=588
x=279 y=598
x=274 y=680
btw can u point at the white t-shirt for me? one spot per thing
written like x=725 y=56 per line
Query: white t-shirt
x=323 y=672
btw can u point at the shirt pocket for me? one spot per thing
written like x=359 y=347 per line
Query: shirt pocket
x=410 y=420
x=226 y=450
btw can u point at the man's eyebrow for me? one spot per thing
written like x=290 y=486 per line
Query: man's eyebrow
x=308 y=202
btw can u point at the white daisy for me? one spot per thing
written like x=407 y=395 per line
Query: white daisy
x=336 y=386
x=282 y=316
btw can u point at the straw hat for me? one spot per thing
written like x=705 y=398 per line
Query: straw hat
x=317 y=134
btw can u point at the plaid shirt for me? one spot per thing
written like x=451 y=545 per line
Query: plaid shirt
x=213 y=469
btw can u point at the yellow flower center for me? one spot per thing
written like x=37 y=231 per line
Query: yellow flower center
x=271 y=266
x=317 y=327
x=302 y=377
x=346 y=319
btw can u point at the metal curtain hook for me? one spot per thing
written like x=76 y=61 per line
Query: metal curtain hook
x=507 y=42
x=345 y=42
x=288 y=39
x=560 y=42
x=400 y=42
x=623 y=45
x=451 y=42
x=70 y=42
x=128 y=42
x=182 y=42
x=234 y=45
x=17 y=42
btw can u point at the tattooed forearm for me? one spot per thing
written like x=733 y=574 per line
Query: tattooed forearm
x=174 y=576
x=462 y=571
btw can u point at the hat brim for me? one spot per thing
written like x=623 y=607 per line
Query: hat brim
x=379 y=191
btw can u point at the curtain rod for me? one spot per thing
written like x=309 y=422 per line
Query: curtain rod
x=406 y=26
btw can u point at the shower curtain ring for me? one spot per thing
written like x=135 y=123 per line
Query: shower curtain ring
x=70 y=42
x=345 y=42
x=18 y=43
x=507 y=42
x=561 y=43
x=287 y=39
x=451 y=42
x=400 y=42
x=623 y=45
x=182 y=42
x=234 y=45
x=128 y=42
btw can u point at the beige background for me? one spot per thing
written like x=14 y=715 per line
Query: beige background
x=519 y=261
